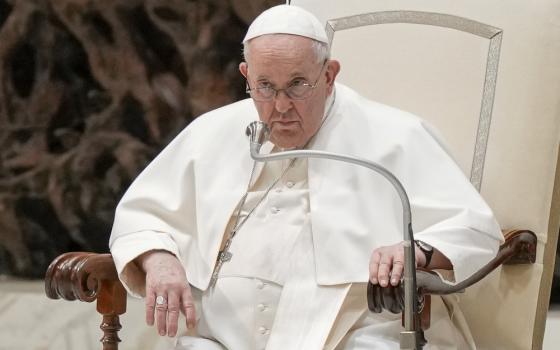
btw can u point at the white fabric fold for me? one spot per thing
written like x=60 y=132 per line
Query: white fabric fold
x=306 y=311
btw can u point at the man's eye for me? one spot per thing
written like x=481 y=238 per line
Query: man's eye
x=263 y=85
x=299 y=82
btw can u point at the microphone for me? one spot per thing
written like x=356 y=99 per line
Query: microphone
x=258 y=133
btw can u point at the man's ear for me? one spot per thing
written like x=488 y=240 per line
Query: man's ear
x=243 y=69
x=333 y=67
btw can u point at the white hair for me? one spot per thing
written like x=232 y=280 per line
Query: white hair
x=321 y=49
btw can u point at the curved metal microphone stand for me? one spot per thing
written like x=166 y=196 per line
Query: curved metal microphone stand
x=411 y=337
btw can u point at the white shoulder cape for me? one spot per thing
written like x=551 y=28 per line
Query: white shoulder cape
x=183 y=200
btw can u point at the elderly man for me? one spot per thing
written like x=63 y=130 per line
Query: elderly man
x=277 y=256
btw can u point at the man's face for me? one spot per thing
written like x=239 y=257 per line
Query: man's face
x=281 y=61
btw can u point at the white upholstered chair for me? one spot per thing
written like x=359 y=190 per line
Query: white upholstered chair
x=486 y=74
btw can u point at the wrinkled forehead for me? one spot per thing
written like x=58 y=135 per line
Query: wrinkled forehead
x=275 y=53
x=281 y=45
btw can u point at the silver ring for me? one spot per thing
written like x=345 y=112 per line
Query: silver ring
x=160 y=300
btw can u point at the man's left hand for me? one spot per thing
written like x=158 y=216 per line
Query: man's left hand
x=388 y=263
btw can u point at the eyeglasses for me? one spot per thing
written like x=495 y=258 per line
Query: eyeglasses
x=298 y=89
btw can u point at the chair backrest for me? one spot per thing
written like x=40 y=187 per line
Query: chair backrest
x=486 y=75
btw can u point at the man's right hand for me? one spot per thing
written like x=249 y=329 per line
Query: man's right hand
x=165 y=277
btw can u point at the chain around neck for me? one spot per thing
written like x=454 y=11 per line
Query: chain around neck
x=238 y=224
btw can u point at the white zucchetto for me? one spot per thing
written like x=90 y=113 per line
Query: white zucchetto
x=287 y=19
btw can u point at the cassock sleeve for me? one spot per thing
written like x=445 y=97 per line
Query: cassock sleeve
x=157 y=212
x=447 y=211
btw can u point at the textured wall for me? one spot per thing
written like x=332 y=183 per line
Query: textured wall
x=89 y=92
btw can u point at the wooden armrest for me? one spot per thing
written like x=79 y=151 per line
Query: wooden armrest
x=520 y=247
x=88 y=277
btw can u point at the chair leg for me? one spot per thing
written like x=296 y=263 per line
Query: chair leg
x=111 y=302
x=110 y=327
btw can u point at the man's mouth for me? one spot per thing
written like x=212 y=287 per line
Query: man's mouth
x=284 y=122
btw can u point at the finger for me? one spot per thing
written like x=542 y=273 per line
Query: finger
x=187 y=303
x=384 y=268
x=398 y=266
x=161 y=315
x=374 y=267
x=173 y=307
x=396 y=272
x=150 y=305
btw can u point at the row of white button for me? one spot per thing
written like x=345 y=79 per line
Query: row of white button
x=289 y=184
x=263 y=330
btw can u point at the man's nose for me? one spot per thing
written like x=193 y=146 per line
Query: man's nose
x=282 y=102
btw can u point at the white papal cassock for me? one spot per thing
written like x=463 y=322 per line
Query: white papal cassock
x=300 y=263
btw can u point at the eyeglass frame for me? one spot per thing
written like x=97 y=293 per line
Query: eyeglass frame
x=248 y=88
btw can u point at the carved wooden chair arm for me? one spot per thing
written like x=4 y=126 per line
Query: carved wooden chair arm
x=520 y=247
x=88 y=277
